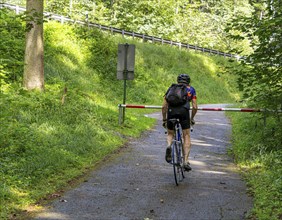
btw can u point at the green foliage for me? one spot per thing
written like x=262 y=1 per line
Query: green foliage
x=203 y=23
x=12 y=49
x=147 y=17
x=261 y=78
x=257 y=149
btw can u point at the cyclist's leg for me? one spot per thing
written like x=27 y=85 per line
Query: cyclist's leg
x=187 y=148
x=169 y=138
x=187 y=144
x=170 y=127
x=170 y=135
x=185 y=124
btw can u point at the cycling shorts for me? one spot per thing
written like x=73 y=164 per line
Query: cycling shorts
x=181 y=113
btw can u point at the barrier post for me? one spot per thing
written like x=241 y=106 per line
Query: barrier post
x=120 y=116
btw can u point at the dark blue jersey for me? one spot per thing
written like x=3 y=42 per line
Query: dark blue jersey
x=191 y=93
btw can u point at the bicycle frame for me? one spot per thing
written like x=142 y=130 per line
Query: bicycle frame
x=178 y=132
x=177 y=152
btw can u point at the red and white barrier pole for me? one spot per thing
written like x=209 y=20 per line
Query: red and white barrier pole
x=140 y=106
x=199 y=108
x=231 y=109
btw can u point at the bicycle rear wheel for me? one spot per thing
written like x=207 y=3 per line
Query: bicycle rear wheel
x=177 y=163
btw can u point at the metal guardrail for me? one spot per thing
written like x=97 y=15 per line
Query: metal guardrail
x=153 y=39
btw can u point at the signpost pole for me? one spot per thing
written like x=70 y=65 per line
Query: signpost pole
x=125 y=72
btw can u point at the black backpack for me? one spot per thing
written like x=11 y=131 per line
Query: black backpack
x=176 y=95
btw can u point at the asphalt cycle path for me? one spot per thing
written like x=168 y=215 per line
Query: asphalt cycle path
x=137 y=183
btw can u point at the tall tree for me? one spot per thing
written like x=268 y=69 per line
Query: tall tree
x=261 y=79
x=34 y=50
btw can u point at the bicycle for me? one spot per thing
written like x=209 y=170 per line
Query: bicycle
x=177 y=152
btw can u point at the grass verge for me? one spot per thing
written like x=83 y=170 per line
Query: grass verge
x=257 y=150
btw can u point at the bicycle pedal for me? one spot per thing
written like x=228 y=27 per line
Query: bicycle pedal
x=176 y=164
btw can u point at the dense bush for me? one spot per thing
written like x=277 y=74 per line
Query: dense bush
x=12 y=49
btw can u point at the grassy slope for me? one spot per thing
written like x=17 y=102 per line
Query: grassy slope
x=46 y=142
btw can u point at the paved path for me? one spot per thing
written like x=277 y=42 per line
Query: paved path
x=138 y=183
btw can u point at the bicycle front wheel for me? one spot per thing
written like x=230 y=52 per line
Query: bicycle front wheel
x=177 y=163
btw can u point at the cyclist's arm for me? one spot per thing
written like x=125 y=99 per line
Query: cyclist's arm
x=194 y=108
x=164 y=110
x=194 y=103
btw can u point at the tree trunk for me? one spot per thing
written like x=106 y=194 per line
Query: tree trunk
x=34 y=50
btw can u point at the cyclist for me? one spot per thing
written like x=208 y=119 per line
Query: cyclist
x=182 y=113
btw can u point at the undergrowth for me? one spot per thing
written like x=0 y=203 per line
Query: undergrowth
x=257 y=150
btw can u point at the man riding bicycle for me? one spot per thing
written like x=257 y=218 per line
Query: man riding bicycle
x=180 y=112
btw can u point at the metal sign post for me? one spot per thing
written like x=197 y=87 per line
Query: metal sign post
x=125 y=70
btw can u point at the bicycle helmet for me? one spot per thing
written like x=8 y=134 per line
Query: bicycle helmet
x=183 y=78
